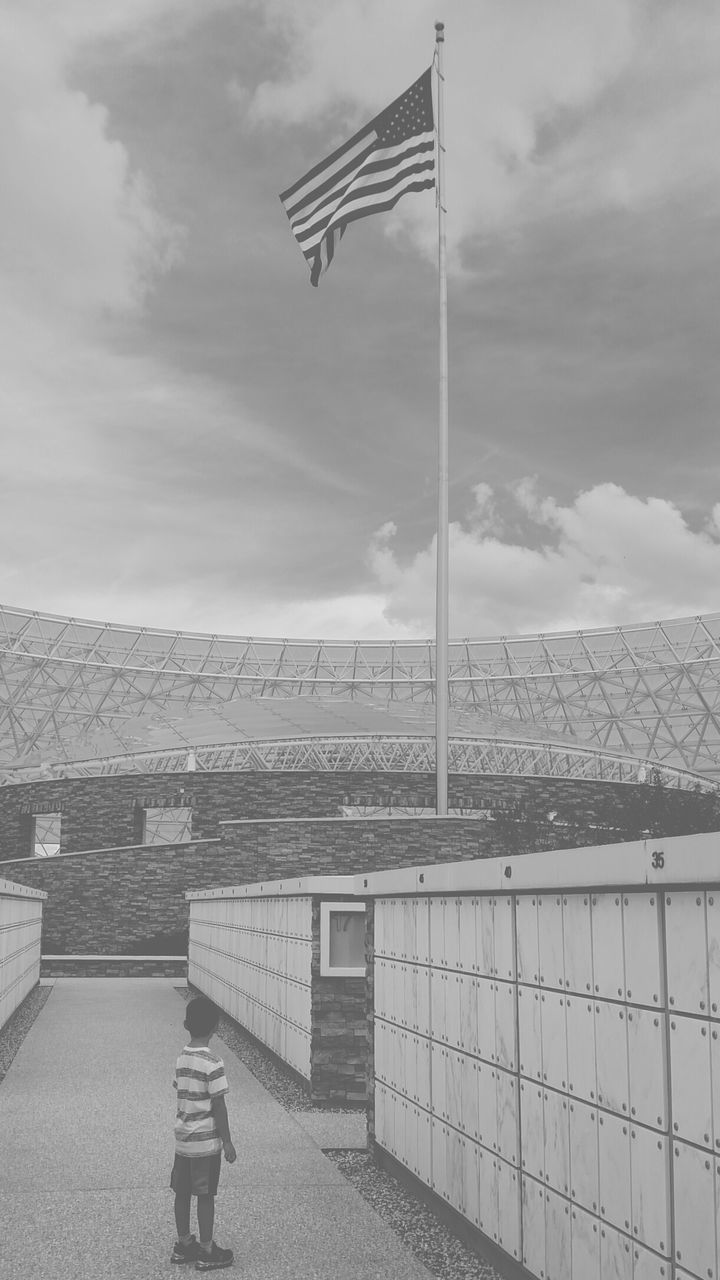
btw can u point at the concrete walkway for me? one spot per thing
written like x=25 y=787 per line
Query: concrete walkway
x=86 y=1147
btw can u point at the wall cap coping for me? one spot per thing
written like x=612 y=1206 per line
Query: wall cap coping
x=657 y=862
x=405 y=817
x=48 y=955
x=306 y=886
x=9 y=889
x=116 y=848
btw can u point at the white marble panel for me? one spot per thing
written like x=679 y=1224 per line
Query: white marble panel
x=715 y=1077
x=485 y=1003
x=418 y=984
x=422 y=1060
x=402 y=996
x=554 y=1040
x=648 y=1266
x=585 y=1244
x=712 y=907
x=533 y=1226
x=438 y=1081
x=452 y=1009
x=471 y=1182
x=485 y=947
x=577 y=943
x=641 y=928
x=584 y=1156
x=550 y=941
x=616 y=1254
x=530 y=1033
x=580 y=1024
x=454 y=1087
x=488 y=1193
x=687 y=959
x=424 y=1141
x=694 y=1210
x=504 y=937
x=647 y=1067
x=506 y=1025
x=532 y=1130
x=607 y=944
x=439 y=1134
x=650 y=1166
x=509 y=1208
x=467 y=936
x=470 y=1098
x=558 y=1244
x=615 y=1175
x=691 y=1080
x=611 y=1056
x=487 y=1106
x=453 y=927
x=406 y=1069
x=526 y=931
x=508 y=1117
x=438 y=956
x=422 y=930
x=557 y=1141
x=382 y=1050
x=455 y=1169
x=438 y=1002
x=468 y=1014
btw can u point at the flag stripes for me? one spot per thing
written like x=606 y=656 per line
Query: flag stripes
x=390 y=156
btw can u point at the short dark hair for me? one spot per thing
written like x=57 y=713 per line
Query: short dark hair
x=201 y=1016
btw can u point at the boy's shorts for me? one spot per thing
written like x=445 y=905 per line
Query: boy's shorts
x=195 y=1176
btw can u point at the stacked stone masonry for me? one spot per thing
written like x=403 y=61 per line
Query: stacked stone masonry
x=105 y=812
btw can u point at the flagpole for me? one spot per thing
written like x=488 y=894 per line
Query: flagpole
x=441 y=587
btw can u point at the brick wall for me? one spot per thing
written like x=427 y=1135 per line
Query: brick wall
x=99 y=813
x=338 y=1043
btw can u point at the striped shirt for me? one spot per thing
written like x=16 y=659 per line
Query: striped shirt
x=199 y=1077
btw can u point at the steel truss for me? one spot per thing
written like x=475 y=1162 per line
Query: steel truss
x=407 y=754
x=652 y=690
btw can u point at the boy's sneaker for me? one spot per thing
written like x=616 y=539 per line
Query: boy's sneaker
x=185 y=1252
x=214 y=1259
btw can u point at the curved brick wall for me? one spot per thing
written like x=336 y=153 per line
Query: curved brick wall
x=102 y=812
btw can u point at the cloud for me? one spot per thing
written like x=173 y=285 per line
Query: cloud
x=550 y=108
x=607 y=558
x=81 y=233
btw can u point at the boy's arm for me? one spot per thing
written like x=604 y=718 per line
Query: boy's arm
x=220 y=1116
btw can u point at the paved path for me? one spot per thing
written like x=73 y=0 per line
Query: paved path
x=86 y=1119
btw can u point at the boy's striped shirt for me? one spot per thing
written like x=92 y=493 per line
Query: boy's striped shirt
x=199 y=1077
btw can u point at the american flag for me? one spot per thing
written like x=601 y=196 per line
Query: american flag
x=393 y=154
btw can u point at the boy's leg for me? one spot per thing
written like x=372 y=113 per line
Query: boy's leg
x=182 y=1215
x=206 y=1219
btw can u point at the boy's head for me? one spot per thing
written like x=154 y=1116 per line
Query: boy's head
x=201 y=1017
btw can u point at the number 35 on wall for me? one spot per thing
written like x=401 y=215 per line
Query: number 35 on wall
x=657 y=859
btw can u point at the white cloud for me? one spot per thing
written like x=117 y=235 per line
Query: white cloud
x=81 y=234
x=607 y=558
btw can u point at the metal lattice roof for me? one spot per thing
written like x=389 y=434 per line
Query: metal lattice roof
x=72 y=689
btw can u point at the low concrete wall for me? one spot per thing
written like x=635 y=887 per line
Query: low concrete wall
x=21 y=911
x=113 y=967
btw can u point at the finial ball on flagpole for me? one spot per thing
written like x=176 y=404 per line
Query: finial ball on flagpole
x=439 y=32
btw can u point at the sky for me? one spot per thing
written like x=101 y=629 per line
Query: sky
x=194 y=438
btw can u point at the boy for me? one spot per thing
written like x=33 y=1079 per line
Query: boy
x=201 y=1133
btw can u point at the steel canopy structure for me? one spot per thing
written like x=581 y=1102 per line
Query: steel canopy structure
x=73 y=689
